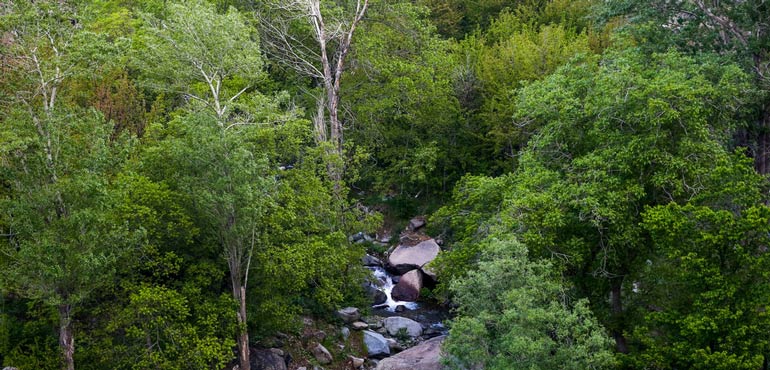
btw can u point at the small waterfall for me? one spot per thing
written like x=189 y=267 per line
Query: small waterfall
x=386 y=286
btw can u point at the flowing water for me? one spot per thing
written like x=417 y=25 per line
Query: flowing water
x=386 y=286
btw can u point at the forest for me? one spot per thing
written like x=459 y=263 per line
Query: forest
x=204 y=184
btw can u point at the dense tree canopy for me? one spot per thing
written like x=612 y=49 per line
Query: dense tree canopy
x=180 y=179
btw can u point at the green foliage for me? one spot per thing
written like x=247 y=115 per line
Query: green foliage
x=156 y=326
x=610 y=139
x=708 y=287
x=195 y=47
x=401 y=97
x=516 y=314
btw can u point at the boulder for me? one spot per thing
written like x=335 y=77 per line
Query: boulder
x=416 y=223
x=349 y=314
x=395 y=347
x=356 y=361
x=430 y=273
x=395 y=323
x=376 y=345
x=425 y=356
x=408 y=287
x=375 y=295
x=400 y=308
x=405 y=258
x=369 y=260
x=345 y=333
x=322 y=354
x=360 y=325
x=265 y=359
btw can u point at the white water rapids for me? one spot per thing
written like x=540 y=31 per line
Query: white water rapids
x=386 y=287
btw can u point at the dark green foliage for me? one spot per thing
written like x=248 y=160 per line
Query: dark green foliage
x=149 y=165
x=611 y=139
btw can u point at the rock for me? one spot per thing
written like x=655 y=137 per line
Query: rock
x=375 y=322
x=408 y=287
x=395 y=323
x=357 y=237
x=400 y=308
x=322 y=354
x=431 y=332
x=416 y=223
x=301 y=368
x=356 y=361
x=404 y=259
x=360 y=325
x=10 y=368
x=379 y=297
x=320 y=335
x=375 y=295
x=345 y=333
x=427 y=271
x=376 y=345
x=369 y=260
x=425 y=356
x=383 y=237
x=277 y=351
x=349 y=314
x=394 y=345
x=266 y=359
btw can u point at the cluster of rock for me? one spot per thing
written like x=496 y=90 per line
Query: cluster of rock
x=409 y=262
x=385 y=340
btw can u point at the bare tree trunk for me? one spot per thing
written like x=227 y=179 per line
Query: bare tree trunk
x=66 y=338
x=762 y=155
x=239 y=294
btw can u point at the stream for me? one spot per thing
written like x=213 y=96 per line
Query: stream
x=428 y=314
x=386 y=287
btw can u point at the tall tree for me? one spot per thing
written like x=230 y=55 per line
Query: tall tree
x=63 y=241
x=214 y=59
x=318 y=48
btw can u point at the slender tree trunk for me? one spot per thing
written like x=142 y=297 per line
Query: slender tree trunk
x=66 y=338
x=243 y=334
x=762 y=155
x=616 y=303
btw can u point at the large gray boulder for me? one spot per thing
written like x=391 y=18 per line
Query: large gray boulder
x=376 y=345
x=395 y=323
x=408 y=287
x=425 y=356
x=404 y=258
x=265 y=359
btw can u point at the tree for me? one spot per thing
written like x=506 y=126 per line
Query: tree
x=707 y=287
x=208 y=57
x=515 y=313
x=63 y=241
x=739 y=30
x=611 y=138
x=400 y=95
x=322 y=59
x=214 y=59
